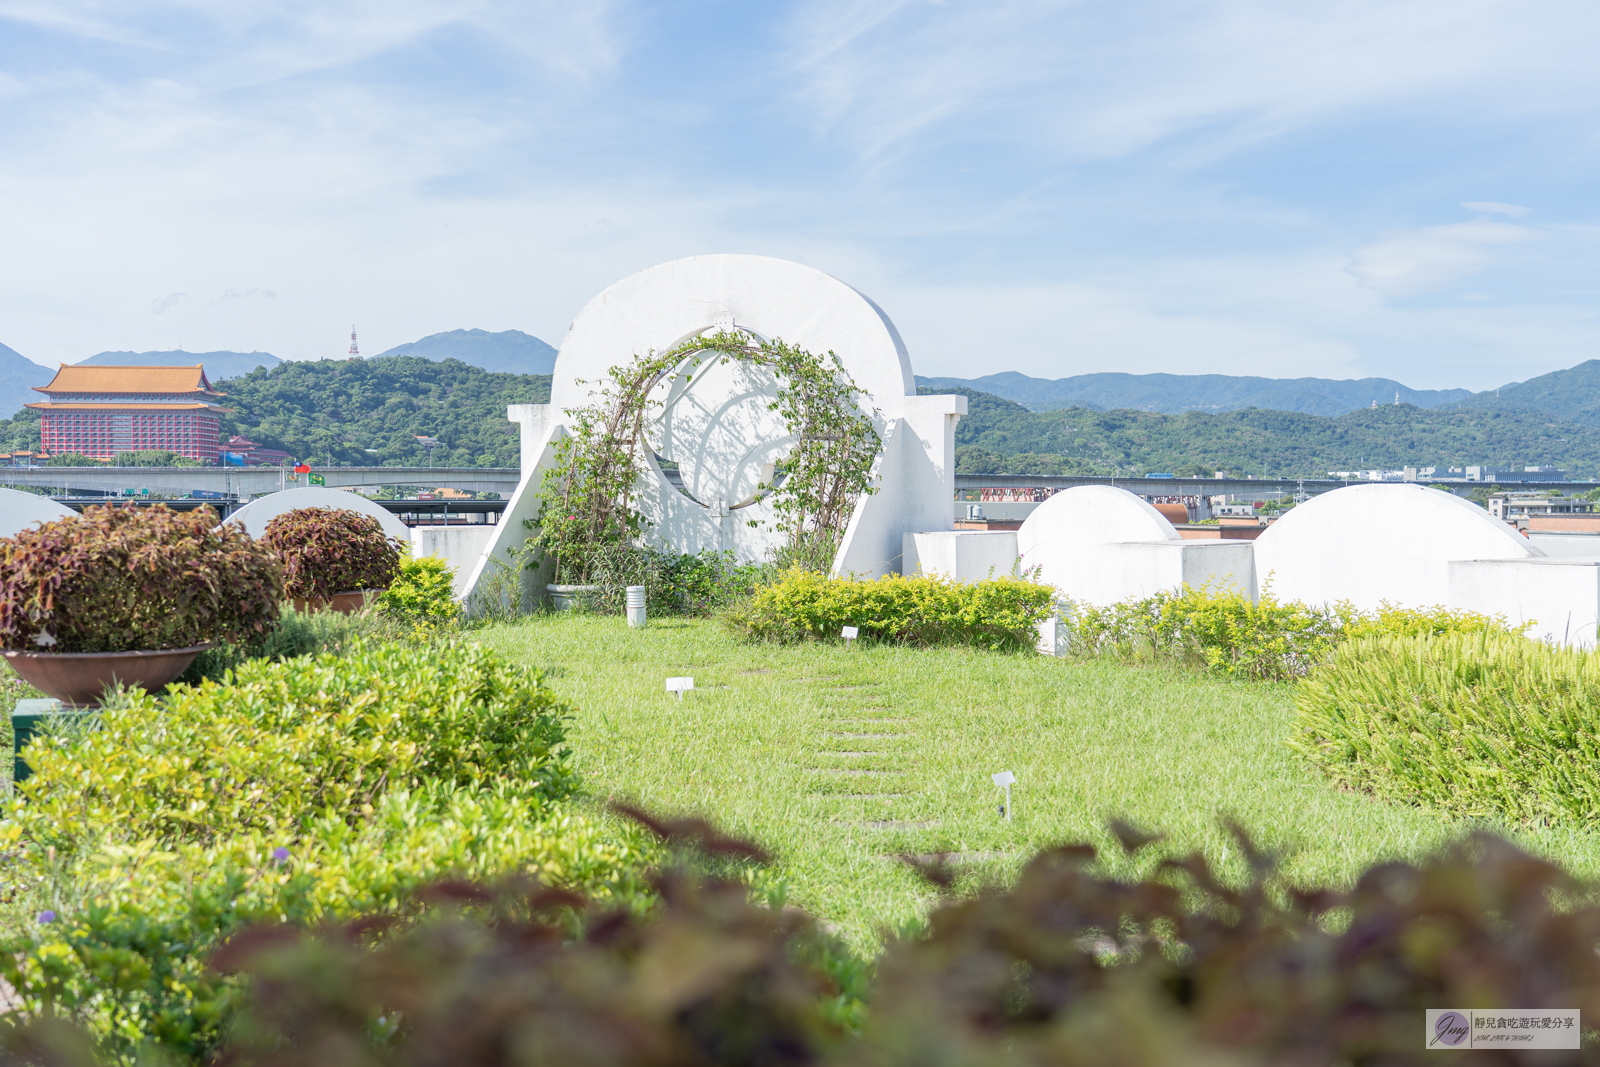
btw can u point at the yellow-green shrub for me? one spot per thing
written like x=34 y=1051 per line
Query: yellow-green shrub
x=1481 y=724
x=1224 y=630
x=287 y=741
x=125 y=950
x=304 y=790
x=422 y=592
x=998 y=613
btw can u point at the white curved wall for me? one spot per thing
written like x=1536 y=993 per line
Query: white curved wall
x=774 y=298
x=255 y=515
x=1373 y=543
x=19 y=511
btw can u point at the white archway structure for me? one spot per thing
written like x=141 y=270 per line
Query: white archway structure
x=1373 y=543
x=19 y=511
x=719 y=430
x=255 y=515
x=1098 y=544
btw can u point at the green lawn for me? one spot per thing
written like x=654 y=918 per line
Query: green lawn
x=838 y=760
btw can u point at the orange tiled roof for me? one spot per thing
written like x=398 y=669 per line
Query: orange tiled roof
x=46 y=405
x=80 y=379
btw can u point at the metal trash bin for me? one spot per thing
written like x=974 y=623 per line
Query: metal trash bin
x=635 y=605
x=25 y=721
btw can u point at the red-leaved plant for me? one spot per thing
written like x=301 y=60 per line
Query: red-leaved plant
x=326 y=551
x=119 y=579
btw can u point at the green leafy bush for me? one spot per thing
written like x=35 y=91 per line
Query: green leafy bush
x=422 y=592
x=999 y=613
x=122 y=578
x=1224 y=630
x=297 y=633
x=1067 y=968
x=305 y=791
x=332 y=550
x=675 y=583
x=289 y=742
x=1482 y=725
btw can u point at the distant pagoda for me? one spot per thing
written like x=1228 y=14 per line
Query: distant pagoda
x=100 y=411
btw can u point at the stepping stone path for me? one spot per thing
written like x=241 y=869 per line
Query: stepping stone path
x=862 y=742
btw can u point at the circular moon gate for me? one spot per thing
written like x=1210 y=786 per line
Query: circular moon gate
x=715 y=421
x=713 y=417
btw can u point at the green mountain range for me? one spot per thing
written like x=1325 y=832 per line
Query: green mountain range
x=1176 y=393
x=506 y=352
x=1000 y=436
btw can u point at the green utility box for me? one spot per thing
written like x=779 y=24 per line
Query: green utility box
x=25 y=720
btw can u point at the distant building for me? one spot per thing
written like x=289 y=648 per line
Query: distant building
x=243 y=452
x=100 y=411
x=1513 y=506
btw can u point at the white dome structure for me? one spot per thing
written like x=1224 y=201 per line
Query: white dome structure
x=1368 y=544
x=20 y=511
x=255 y=515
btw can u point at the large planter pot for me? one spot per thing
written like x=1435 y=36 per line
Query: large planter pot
x=344 y=603
x=82 y=678
x=567 y=597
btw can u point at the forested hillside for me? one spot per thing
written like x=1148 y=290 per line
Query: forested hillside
x=1572 y=395
x=1001 y=437
x=1176 y=393
x=369 y=412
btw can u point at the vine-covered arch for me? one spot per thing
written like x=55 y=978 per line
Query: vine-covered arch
x=589 y=502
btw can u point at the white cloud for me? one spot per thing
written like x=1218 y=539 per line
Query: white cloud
x=1433 y=258
x=1491 y=207
x=166 y=303
x=1098 y=81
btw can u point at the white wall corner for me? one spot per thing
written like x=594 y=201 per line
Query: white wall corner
x=512 y=532
x=534 y=421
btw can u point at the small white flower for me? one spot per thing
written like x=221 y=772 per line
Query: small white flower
x=45 y=640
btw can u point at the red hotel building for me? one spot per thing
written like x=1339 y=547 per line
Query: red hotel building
x=100 y=411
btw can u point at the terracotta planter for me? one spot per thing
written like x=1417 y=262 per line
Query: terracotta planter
x=344 y=603
x=81 y=678
x=567 y=597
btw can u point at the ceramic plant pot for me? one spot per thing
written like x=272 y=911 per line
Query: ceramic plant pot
x=82 y=678
x=567 y=597
x=344 y=603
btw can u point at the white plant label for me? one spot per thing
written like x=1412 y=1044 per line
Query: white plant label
x=849 y=633
x=679 y=685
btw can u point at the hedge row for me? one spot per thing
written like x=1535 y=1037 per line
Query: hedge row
x=999 y=613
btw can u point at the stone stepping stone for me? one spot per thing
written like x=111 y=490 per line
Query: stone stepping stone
x=855 y=772
x=955 y=857
x=841 y=795
x=864 y=737
x=900 y=824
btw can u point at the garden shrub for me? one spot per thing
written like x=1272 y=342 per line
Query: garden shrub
x=298 y=633
x=998 y=613
x=289 y=742
x=332 y=550
x=1225 y=631
x=422 y=592
x=1486 y=725
x=1066 y=968
x=675 y=583
x=116 y=579
x=127 y=946
x=305 y=790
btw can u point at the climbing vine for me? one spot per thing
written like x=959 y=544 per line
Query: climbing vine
x=588 y=509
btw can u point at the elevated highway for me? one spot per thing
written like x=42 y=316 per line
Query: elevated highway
x=248 y=482
x=971 y=483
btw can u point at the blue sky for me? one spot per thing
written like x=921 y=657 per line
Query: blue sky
x=1401 y=188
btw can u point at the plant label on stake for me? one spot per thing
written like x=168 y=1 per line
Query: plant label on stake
x=1004 y=780
x=849 y=633
x=679 y=685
